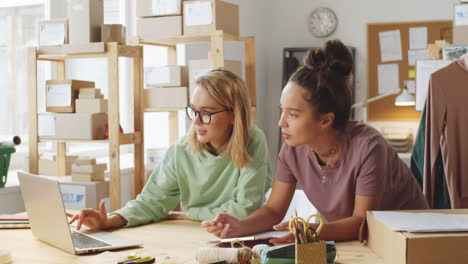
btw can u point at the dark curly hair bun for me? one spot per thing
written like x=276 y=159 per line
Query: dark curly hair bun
x=333 y=59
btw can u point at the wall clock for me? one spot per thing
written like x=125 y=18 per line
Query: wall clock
x=322 y=22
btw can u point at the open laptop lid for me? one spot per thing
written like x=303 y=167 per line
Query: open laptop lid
x=46 y=212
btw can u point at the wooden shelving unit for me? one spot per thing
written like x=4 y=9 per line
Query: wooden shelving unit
x=217 y=40
x=111 y=51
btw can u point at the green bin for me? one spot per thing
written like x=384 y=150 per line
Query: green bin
x=5 y=154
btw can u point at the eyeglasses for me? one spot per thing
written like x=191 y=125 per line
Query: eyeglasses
x=205 y=116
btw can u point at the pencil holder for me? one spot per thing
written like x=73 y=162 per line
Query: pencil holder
x=309 y=249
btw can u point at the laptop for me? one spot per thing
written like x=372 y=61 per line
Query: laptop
x=49 y=223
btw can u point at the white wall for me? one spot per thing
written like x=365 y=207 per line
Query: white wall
x=278 y=24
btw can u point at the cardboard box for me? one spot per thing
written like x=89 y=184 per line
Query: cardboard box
x=79 y=195
x=114 y=33
x=149 y=8
x=206 y=16
x=91 y=105
x=95 y=47
x=164 y=76
x=84 y=161
x=90 y=96
x=53 y=32
x=80 y=126
x=91 y=168
x=199 y=67
x=417 y=248
x=166 y=98
x=159 y=27
x=87 y=177
x=61 y=94
x=85 y=20
x=49 y=166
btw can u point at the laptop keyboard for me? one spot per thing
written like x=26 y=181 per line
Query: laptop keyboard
x=83 y=241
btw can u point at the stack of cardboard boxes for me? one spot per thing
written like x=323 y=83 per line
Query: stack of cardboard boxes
x=84 y=26
x=167 y=87
x=86 y=170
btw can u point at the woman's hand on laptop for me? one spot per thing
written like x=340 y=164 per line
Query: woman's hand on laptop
x=96 y=219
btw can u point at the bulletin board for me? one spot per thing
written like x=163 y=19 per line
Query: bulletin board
x=385 y=109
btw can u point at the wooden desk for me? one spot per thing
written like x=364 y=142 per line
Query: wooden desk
x=177 y=239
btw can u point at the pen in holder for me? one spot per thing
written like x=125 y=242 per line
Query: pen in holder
x=309 y=249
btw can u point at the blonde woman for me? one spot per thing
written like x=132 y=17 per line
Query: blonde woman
x=221 y=165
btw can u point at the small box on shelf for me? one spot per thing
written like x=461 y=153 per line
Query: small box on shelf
x=159 y=27
x=166 y=76
x=89 y=126
x=114 y=33
x=91 y=105
x=149 y=8
x=61 y=94
x=85 y=20
x=204 y=17
x=53 y=32
x=48 y=166
x=166 y=98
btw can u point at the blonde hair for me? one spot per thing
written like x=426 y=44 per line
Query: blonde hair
x=228 y=90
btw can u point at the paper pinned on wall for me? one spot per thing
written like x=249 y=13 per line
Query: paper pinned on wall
x=198 y=13
x=390 y=45
x=461 y=15
x=417 y=54
x=411 y=85
x=418 y=38
x=387 y=78
x=424 y=69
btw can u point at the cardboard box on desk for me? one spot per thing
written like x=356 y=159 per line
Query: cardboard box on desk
x=173 y=97
x=85 y=20
x=149 y=8
x=80 y=126
x=114 y=33
x=199 y=67
x=417 y=248
x=79 y=195
x=159 y=27
x=169 y=75
x=206 y=16
x=61 y=94
x=53 y=32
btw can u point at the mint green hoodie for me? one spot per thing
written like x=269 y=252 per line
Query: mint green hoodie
x=205 y=184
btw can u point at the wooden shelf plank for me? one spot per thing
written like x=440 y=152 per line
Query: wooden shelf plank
x=88 y=50
x=124 y=139
x=178 y=40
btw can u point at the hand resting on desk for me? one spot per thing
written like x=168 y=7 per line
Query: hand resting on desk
x=97 y=219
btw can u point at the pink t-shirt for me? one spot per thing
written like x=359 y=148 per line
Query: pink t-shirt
x=367 y=166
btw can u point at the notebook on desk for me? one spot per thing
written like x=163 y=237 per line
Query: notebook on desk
x=46 y=211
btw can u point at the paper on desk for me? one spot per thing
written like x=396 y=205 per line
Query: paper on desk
x=423 y=222
x=390 y=45
x=264 y=235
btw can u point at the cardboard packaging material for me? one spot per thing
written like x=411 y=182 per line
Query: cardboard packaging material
x=203 y=17
x=85 y=20
x=101 y=167
x=87 y=177
x=90 y=96
x=61 y=94
x=159 y=27
x=49 y=166
x=114 y=33
x=94 y=47
x=84 y=161
x=149 y=8
x=80 y=195
x=166 y=76
x=166 y=98
x=199 y=67
x=91 y=105
x=460 y=24
x=53 y=32
x=417 y=248
x=80 y=126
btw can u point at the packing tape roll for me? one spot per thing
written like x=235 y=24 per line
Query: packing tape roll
x=5 y=257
